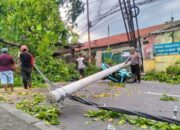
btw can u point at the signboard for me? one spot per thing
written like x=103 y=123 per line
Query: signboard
x=167 y=49
x=125 y=54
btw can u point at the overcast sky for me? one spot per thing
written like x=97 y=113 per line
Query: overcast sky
x=150 y=14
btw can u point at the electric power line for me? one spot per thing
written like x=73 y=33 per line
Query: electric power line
x=114 y=7
x=108 y=13
x=92 y=2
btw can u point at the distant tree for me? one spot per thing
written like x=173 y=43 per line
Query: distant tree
x=74 y=39
x=73 y=9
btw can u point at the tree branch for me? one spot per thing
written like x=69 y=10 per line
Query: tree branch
x=8 y=43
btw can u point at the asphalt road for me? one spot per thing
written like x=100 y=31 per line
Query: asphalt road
x=144 y=97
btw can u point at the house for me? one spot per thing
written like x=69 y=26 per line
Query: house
x=166 y=36
x=118 y=44
x=163 y=49
x=68 y=52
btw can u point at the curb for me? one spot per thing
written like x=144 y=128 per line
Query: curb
x=41 y=125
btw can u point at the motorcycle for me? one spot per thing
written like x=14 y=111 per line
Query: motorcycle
x=120 y=76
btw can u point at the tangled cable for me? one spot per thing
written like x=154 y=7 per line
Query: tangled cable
x=119 y=110
x=128 y=112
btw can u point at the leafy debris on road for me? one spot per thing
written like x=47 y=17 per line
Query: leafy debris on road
x=169 y=98
x=102 y=95
x=35 y=108
x=117 y=85
x=3 y=99
x=123 y=119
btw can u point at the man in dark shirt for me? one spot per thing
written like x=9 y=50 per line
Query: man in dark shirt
x=7 y=65
x=27 y=63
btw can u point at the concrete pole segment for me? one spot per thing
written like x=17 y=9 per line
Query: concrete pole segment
x=62 y=92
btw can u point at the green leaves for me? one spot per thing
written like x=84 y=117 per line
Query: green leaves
x=102 y=114
x=36 y=23
x=116 y=85
x=172 y=75
x=3 y=99
x=47 y=113
x=169 y=98
x=137 y=121
x=174 y=69
x=57 y=70
x=109 y=61
x=74 y=8
x=91 y=69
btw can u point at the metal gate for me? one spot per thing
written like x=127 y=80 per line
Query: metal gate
x=116 y=57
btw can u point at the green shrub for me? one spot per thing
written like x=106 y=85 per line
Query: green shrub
x=177 y=63
x=91 y=69
x=109 y=61
x=173 y=69
x=55 y=70
x=172 y=75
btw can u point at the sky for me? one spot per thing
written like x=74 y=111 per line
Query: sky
x=155 y=13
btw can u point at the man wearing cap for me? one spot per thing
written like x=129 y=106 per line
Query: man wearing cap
x=135 y=63
x=27 y=62
x=7 y=66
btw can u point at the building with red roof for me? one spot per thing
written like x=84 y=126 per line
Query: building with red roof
x=118 y=41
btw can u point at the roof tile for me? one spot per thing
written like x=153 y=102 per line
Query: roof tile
x=120 y=38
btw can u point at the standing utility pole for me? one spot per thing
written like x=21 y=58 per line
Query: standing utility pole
x=108 y=36
x=89 y=26
x=172 y=20
x=130 y=12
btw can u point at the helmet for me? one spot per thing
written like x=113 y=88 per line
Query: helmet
x=24 y=48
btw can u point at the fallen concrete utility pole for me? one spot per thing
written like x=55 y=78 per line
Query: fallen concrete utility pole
x=62 y=92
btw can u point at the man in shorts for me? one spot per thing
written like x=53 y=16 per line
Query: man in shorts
x=7 y=66
x=27 y=62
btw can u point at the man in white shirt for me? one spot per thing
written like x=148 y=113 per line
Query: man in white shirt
x=81 y=65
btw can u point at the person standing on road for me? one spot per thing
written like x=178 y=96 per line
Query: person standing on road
x=135 y=64
x=26 y=61
x=81 y=64
x=7 y=66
